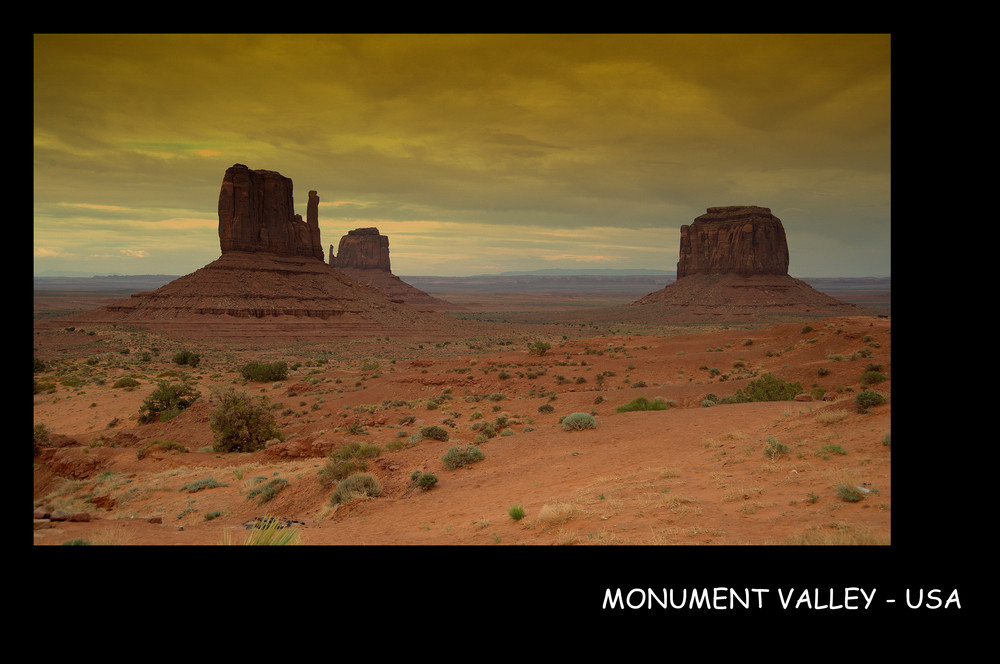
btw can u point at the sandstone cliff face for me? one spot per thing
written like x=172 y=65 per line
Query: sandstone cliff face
x=743 y=240
x=257 y=214
x=362 y=249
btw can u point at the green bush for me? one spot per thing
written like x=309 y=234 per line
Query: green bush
x=539 y=348
x=850 y=494
x=868 y=398
x=266 y=493
x=264 y=372
x=344 y=462
x=354 y=487
x=125 y=382
x=456 y=456
x=167 y=397
x=241 y=424
x=434 y=432
x=546 y=408
x=872 y=378
x=774 y=449
x=186 y=357
x=422 y=480
x=516 y=512
x=766 y=388
x=198 y=485
x=579 y=421
x=642 y=403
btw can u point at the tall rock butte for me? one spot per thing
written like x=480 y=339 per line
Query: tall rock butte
x=257 y=214
x=271 y=285
x=733 y=266
x=739 y=239
x=363 y=255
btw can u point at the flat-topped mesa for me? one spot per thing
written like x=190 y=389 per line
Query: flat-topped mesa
x=739 y=239
x=362 y=249
x=257 y=214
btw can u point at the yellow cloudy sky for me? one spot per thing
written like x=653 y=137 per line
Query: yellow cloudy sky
x=473 y=153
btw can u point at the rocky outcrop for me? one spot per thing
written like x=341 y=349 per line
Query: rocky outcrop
x=363 y=256
x=743 y=239
x=733 y=266
x=362 y=249
x=257 y=214
x=271 y=284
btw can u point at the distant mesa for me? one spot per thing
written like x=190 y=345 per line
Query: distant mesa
x=733 y=265
x=363 y=255
x=271 y=283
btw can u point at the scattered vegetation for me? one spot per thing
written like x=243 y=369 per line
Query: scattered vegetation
x=774 y=449
x=347 y=460
x=642 y=403
x=766 y=388
x=264 y=372
x=166 y=401
x=539 y=348
x=241 y=424
x=267 y=492
x=866 y=399
x=434 y=432
x=355 y=487
x=457 y=456
x=848 y=493
x=187 y=358
x=579 y=421
x=198 y=485
x=422 y=480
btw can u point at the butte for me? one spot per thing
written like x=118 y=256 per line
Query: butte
x=271 y=283
x=363 y=256
x=733 y=267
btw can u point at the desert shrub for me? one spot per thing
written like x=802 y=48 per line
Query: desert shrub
x=422 y=480
x=872 y=378
x=198 y=485
x=356 y=486
x=167 y=445
x=266 y=493
x=642 y=403
x=126 y=382
x=849 y=493
x=457 y=456
x=434 y=432
x=241 y=424
x=579 y=421
x=167 y=397
x=539 y=348
x=264 y=372
x=546 y=408
x=766 y=388
x=868 y=398
x=806 y=328
x=516 y=512
x=774 y=449
x=186 y=357
x=344 y=462
x=369 y=364
x=41 y=437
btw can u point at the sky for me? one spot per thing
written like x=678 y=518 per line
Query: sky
x=474 y=154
